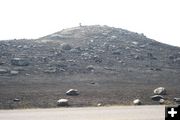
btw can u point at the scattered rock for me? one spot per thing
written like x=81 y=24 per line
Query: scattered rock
x=116 y=52
x=27 y=74
x=171 y=57
x=19 y=69
x=19 y=62
x=3 y=71
x=62 y=102
x=143 y=46
x=1 y=63
x=99 y=104
x=16 y=100
x=14 y=72
x=177 y=99
x=19 y=46
x=72 y=92
x=62 y=70
x=113 y=37
x=91 y=40
x=59 y=64
x=86 y=56
x=92 y=83
x=50 y=70
x=137 y=102
x=157 y=97
x=97 y=59
x=26 y=47
x=90 y=68
x=127 y=48
x=137 y=57
x=177 y=60
x=59 y=54
x=150 y=56
x=160 y=91
x=156 y=69
x=135 y=43
x=66 y=46
x=161 y=101
x=108 y=68
x=75 y=50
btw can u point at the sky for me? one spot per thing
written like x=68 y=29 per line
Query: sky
x=157 y=19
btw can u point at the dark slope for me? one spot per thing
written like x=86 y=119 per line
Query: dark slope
x=107 y=65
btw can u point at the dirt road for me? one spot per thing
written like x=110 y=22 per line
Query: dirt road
x=91 y=113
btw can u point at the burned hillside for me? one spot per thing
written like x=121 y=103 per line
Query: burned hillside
x=107 y=65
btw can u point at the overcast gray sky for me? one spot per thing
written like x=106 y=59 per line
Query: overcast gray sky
x=157 y=19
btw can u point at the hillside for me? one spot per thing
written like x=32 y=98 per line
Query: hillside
x=107 y=65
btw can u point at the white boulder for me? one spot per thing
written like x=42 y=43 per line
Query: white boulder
x=62 y=102
x=160 y=91
x=72 y=92
x=137 y=102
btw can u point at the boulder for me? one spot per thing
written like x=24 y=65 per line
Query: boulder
x=56 y=37
x=137 y=102
x=26 y=47
x=158 y=69
x=72 y=92
x=99 y=104
x=135 y=43
x=177 y=60
x=116 y=52
x=75 y=51
x=97 y=59
x=138 y=57
x=27 y=74
x=66 y=46
x=3 y=71
x=62 y=70
x=19 y=69
x=157 y=97
x=16 y=100
x=151 y=56
x=90 y=68
x=143 y=46
x=14 y=72
x=86 y=56
x=19 y=62
x=171 y=57
x=161 y=101
x=92 y=83
x=50 y=70
x=62 y=102
x=1 y=63
x=177 y=99
x=113 y=37
x=160 y=91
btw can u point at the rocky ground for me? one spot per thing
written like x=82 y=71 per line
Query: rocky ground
x=106 y=65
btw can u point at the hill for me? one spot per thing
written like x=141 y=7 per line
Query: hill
x=107 y=65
